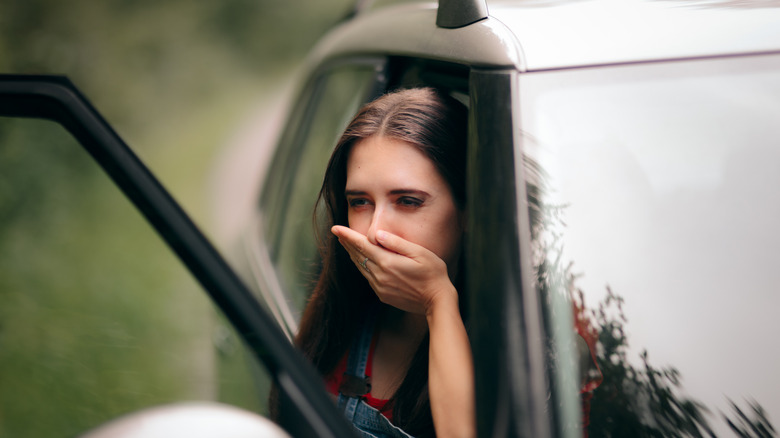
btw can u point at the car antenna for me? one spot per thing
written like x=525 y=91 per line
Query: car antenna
x=453 y=14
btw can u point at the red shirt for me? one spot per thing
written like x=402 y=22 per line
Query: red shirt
x=334 y=380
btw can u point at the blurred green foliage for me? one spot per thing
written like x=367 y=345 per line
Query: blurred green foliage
x=172 y=77
x=97 y=317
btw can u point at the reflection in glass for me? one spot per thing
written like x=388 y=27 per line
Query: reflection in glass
x=656 y=212
x=341 y=92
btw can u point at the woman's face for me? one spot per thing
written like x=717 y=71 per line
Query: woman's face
x=393 y=186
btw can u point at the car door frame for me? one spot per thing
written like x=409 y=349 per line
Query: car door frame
x=57 y=99
x=506 y=326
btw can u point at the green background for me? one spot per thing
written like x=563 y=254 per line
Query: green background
x=97 y=318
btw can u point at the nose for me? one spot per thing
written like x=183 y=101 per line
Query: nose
x=377 y=223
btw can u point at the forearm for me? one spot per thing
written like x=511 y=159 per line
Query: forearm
x=451 y=372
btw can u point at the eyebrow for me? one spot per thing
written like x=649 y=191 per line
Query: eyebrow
x=392 y=192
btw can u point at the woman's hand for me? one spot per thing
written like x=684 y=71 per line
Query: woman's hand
x=414 y=279
x=402 y=274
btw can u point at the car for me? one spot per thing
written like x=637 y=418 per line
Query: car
x=618 y=165
x=621 y=207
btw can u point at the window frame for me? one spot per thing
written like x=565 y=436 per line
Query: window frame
x=260 y=251
x=56 y=98
x=506 y=328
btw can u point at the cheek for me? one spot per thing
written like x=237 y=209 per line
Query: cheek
x=355 y=222
x=451 y=248
x=443 y=237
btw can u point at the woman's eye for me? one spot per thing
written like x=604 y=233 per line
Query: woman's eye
x=357 y=202
x=407 y=201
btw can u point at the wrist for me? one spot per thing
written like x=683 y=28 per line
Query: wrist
x=443 y=302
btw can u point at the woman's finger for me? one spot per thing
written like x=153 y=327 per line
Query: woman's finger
x=360 y=250
x=398 y=245
x=349 y=235
x=356 y=241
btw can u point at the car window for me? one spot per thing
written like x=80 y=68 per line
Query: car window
x=292 y=190
x=97 y=316
x=654 y=193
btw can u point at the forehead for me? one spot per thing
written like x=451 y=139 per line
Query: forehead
x=381 y=159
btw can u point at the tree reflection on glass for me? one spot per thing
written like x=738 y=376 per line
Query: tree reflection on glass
x=638 y=401
x=619 y=397
x=745 y=426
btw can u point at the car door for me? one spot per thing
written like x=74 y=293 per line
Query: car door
x=74 y=356
x=654 y=195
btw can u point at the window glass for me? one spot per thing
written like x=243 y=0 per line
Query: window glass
x=336 y=97
x=654 y=193
x=97 y=316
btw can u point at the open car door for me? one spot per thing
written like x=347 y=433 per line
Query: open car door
x=310 y=412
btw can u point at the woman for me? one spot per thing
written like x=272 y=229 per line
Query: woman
x=383 y=325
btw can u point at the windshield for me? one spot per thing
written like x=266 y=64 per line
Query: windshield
x=657 y=201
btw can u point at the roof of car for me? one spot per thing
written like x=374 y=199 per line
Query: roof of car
x=555 y=34
x=549 y=34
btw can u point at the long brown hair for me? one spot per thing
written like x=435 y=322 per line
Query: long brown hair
x=436 y=124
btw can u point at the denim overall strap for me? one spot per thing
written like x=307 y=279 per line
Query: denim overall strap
x=369 y=422
x=356 y=366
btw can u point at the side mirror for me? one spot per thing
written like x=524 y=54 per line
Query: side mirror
x=193 y=420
